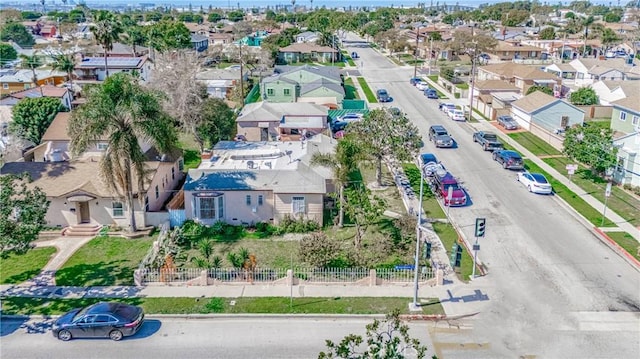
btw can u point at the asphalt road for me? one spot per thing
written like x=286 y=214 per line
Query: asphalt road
x=547 y=271
x=240 y=338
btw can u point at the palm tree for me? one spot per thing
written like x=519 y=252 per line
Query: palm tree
x=106 y=31
x=65 y=63
x=586 y=23
x=127 y=114
x=342 y=163
x=33 y=62
x=134 y=36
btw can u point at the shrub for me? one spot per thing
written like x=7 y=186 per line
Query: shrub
x=218 y=227
x=192 y=228
x=319 y=250
x=288 y=224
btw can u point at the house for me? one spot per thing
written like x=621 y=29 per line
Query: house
x=199 y=42
x=48 y=31
x=93 y=68
x=303 y=52
x=510 y=50
x=244 y=183
x=255 y=39
x=627 y=170
x=307 y=36
x=610 y=91
x=317 y=84
x=13 y=80
x=545 y=112
x=265 y=121
x=78 y=195
x=217 y=38
x=62 y=93
x=566 y=72
x=521 y=76
x=589 y=70
x=220 y=82
x=625 y=117
x=483 y=96
x=119 y=50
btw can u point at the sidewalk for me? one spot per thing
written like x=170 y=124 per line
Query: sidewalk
x=620 y=222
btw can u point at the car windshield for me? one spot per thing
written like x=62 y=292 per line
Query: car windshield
x=452 y=185
x=539 y=178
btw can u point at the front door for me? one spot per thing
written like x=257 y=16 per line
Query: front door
x=264 y=134
x=83 y=208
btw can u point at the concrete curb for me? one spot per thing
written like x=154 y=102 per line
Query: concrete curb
x=604 y=238
x=220 y=316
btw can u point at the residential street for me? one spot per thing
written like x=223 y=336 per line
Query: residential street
x=546 y=270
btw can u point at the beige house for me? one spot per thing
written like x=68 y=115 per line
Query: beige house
x=244 y=183
x=521 y=76
x=266 y=121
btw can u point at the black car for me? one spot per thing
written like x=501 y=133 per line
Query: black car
x=354 y=55
x=383 y=96
x=509 y=159
x=101 y=320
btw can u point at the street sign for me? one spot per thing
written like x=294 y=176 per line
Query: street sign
x=404 y=267
x=476 y=247
x=571 y=167
x=607 y=192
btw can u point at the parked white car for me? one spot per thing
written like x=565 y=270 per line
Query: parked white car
x=456 y=115
x=535 y=182
x=422 y=85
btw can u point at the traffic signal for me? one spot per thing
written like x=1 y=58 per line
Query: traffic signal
x=458 y=255
x=481 y=226
x=427 y=250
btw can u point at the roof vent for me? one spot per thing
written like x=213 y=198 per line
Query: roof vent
x=250 y=164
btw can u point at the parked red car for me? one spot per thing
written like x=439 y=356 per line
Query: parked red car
x=441 y=185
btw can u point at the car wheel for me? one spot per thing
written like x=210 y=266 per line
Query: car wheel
x=475 y=139
x=64 y=335
x=495 y=158
x=485 y=147
x=529 y=188
x=115 y=335
x=504 y=165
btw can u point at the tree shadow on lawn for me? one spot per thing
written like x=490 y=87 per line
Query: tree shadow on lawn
x=22 y=277
x=588 y=175
x=95 y=274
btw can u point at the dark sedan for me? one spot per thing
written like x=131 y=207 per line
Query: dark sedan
x=383 y=96
x=101 y=320
x=509 y=159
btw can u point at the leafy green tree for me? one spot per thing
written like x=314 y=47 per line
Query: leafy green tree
x=235 y=15
x=106 y=31
x=30 y=15
x=65 y=63
x=381 y=134
x=168 y=35
x=214 y=17
x=7 y=53
x=548 y=33
x=127 y=114
x=448 y=73
x=217 y=121
x=435 y=36
x=134 y=36
x=32 y=117
x=388 y=339
x=318 y=249
x=22 y=213
x=16 y=32
x=363 y=209
x=570 y=15
x=77 y=15
x=544 y=89
x=591 y=145
x=342 y=163
x=584 y=96
x=609 y=38
x=612 y=17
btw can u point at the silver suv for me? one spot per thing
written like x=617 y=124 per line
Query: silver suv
x=440 y=136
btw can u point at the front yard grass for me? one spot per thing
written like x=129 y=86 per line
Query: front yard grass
x=182 y=305
x=448 y=237
x=367 y=90
x=433 y=78
x=273 y=252
x=350 y=91
x=463 y=86
x=104 y=261
x=430 y=204
x=534 y=144
x=18 y=268
x=626 y=241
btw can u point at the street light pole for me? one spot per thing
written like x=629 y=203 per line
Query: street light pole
x=414 y=305
x=473 y=81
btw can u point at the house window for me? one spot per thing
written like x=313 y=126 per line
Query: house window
x=157 y=192
x=248 y=200
x=260 y=200
x=220 y=207
x=146 y=203
x=623 y=116
x=270 y=92
x=181 y=165
x=210 y=207
x=564 y=122
x=580 y=76
x=287 y=92
x=173 y=173
x=297 y=205
x=5 y=86
x=102 y=146
x=635 y=120
x=118 y=209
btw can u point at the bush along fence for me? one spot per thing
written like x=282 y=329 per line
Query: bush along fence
x=158 y=268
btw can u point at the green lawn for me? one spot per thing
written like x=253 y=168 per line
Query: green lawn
x=181 y=305
x=463 y=86
x=270 y=252
x=433 y=78
x=104 y=261
x=448 y=237
x=192 y=159
x=626 y=241
x=19 y=268
x=350 y=61
x=350 y=91
x=430 y=204
x=624 y=204
x=534 y=144
x=367 y=90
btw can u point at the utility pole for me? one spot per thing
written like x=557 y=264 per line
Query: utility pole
x=430 y=53
x=415 y=54
x=241 y=76
x=472 y=79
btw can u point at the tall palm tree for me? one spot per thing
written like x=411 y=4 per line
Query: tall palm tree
x=65 y=63
x=127 y=114
x=586 y=23
x=32 y=62
x=106 y=31
x=342 y=163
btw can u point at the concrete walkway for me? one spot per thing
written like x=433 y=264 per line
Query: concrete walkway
x=65 y=246
x=482 y=124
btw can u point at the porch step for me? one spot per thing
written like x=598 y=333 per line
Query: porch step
x=82 y=230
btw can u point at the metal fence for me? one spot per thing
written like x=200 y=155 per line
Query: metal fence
x=240 y=275
x=397 y=275
x=331 y=275
x=171 y=275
